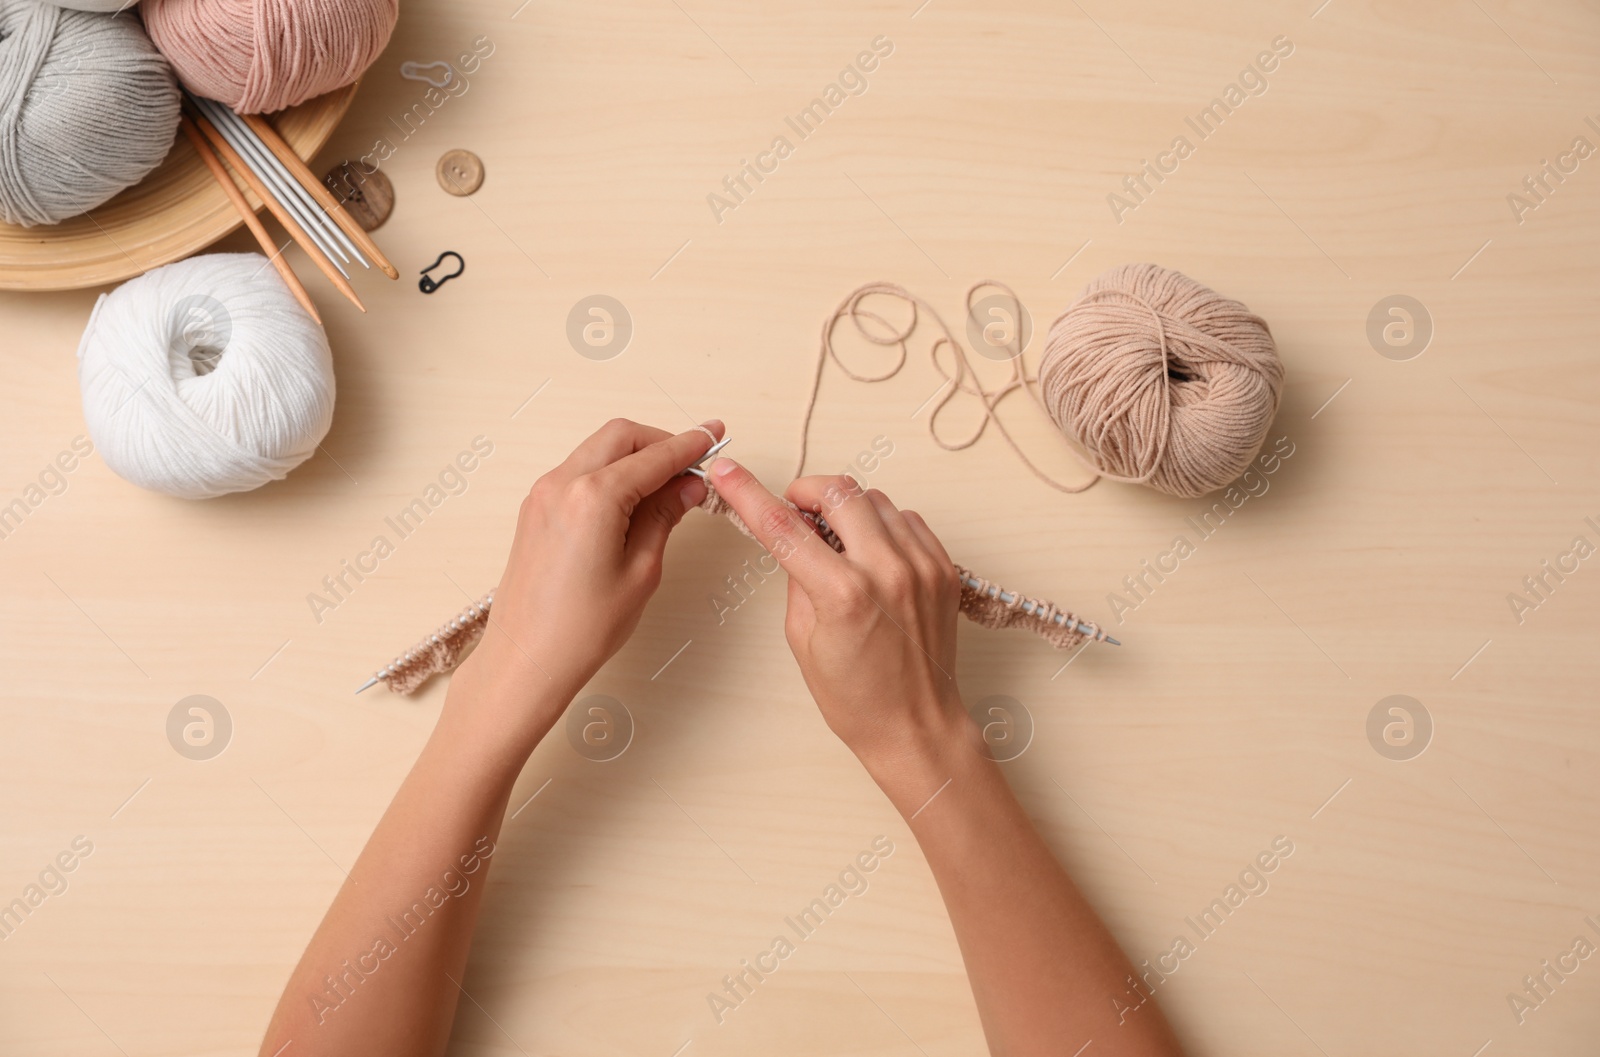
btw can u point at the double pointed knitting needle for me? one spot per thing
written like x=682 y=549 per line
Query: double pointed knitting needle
x=247 y=214
x=249 y=146
x=324 y=263
x=330 y=205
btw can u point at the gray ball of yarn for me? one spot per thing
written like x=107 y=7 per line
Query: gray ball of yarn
x=107 y=6
x=87 y=108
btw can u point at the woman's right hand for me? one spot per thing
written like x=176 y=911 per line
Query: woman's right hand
x=874 y=628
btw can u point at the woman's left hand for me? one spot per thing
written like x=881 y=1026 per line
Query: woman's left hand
x=586 y=558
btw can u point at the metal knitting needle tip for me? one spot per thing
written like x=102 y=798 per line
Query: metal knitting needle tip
x=368 y=684
x=694 y=467
x=718 y=446
x=1112 y=641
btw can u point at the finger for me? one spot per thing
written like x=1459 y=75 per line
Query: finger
x=893 y=520
x=778 y=528
x=606 y=445
x=800 y=618
x=841 y=501
x=925 y=535
x=655 y=518
x=635 y=476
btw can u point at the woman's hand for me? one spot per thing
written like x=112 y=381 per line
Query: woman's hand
x=586 y=558
x=874 y=628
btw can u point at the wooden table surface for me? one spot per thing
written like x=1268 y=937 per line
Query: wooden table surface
x=1376 y=158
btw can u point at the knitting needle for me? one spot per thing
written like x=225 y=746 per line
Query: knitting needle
x=317 y=219
x=467 y=618
x=323 y=196
x=1028 y=607
x=288 y=193
x=231 y=189
x=214 y=114
x=995 y=592
x=694 y=467
x=244 y=141
x=322 y=262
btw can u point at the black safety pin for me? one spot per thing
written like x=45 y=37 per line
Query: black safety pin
x=427 y=284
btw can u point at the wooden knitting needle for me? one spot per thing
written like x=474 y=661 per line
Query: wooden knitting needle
x=247 y=214
x=318 y=258
x=318 y=191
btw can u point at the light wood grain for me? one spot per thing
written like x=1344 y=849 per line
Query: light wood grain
x=1378 y=562
x=175 y=211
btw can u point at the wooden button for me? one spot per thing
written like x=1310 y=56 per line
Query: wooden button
x=460 y=172
x=367 y=197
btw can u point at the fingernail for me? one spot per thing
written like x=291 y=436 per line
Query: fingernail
x=722 y=466
x=713 y=424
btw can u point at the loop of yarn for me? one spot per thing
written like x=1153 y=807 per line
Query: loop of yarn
x=960 y=379
x=1162 y=380
x=259 y=56
x=87 y=108
x=205 y=377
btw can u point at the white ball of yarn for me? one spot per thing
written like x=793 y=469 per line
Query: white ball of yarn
x=87 y=108
x=205 y=377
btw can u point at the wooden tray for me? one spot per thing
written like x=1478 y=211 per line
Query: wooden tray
x=175 y=211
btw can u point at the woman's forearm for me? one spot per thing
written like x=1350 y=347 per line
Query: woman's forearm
x=1043 y=967
x=383 y=972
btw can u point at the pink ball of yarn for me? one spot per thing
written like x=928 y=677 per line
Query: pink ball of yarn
x=1162 y=380
x=263 y=55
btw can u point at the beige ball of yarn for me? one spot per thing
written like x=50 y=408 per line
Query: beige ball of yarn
x=1162 y=380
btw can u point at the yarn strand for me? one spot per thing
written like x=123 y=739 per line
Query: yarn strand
x=962 y=379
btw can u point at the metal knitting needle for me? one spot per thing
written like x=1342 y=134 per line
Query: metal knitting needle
x=286 y=201
x=242 y=168
x=264 y=160
x=1005 y=596
x=227 y=123
x=468 y=617
x=694 y=467
x=1029 y=608
x=284 y=192
x=332 y=207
